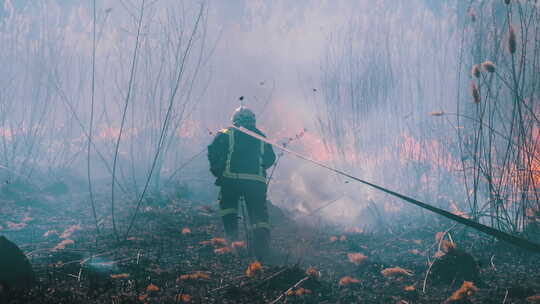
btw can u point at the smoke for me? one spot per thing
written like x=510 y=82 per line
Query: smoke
x=361 y=78
x=357 y=75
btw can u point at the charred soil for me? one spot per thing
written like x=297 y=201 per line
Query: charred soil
x=176 y=254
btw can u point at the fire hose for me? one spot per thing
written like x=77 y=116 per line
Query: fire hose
x=501 y=235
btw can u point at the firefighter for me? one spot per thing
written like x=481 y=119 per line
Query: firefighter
x=239 y=163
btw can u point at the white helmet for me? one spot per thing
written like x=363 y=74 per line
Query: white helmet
x=243 y=117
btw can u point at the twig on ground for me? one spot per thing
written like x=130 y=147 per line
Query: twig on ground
x=290 y=289
x=492 y=264
x=427 y=274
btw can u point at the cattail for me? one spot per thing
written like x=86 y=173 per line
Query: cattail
x=313 y=273
x=475 y=93
x=439 y=113
x=475 y=72
x=472 y=14
x=511 y=39
x=489 y=66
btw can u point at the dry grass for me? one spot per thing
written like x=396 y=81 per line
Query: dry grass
x=356 y=258
x=346 y=281
x=254 y=269
x=466 y=290
x=395 y=272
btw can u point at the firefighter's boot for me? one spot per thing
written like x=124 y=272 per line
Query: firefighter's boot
x=261 y=243
x=230 y=225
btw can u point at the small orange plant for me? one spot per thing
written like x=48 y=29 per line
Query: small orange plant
x=198 y=275
x=254 y=269
x=222 y=251
x=346 y=281
x=395 y=272
x=218 y=242
x=152 y=287
x=238 y=244
x=356 y=258
x=313 y=273
x=466 y=290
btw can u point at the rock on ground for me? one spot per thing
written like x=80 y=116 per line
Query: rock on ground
x=15 y=269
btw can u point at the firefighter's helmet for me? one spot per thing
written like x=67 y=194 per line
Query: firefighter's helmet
x=243 y=117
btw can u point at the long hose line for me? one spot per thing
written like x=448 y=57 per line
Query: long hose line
x=501 y=235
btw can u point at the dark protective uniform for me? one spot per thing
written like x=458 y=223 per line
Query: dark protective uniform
x=239 y=163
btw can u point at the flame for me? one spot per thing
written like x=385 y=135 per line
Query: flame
x=6 y=133
x=112 y=133
x=187 y=129
x=456 y=211
x=428 y=151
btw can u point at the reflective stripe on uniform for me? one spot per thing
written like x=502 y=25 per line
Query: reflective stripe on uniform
x=245 y=176
x=261 y=160
x=228 y=173
x=224 y=212
x=261 y=225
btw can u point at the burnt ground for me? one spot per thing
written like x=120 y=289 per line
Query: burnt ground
x=161 y=263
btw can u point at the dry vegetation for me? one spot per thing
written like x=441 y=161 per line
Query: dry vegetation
x=162 y=263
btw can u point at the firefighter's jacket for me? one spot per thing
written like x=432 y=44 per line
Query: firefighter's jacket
x=236 y=155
